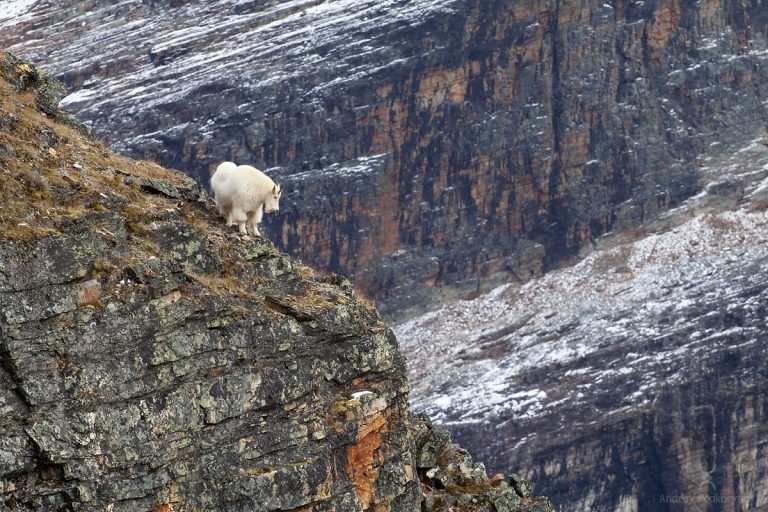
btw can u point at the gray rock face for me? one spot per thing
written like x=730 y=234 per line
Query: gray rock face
x=158 y=385
x=430 y=147
x=149 y=360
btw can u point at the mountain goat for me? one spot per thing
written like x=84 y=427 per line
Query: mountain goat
x=243 y=193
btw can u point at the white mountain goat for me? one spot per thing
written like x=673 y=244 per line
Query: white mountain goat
x=243 y=193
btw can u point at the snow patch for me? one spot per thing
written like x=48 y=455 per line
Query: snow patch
x=15 y=8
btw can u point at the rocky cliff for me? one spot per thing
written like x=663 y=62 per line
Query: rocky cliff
x=431 y=146
x=151 y=361
x=634 y=380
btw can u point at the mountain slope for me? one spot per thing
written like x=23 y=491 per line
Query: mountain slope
x=151 y=361
x=432 y=147
x=634 y=379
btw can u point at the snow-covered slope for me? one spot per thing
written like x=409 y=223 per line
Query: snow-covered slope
x=14 y=9
x=153 y=55
x=566 y=316
x=533 y=376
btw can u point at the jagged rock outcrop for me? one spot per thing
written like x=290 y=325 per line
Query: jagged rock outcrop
x=451 y=481
x=430 y=145
x=149 y=360
x=633 y=380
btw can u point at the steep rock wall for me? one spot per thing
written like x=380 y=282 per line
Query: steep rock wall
x=427 y=145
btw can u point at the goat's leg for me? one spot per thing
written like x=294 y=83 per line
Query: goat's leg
x=253 y=220
x=240 y=218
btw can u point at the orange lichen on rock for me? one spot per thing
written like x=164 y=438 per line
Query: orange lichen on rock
x=364 y=458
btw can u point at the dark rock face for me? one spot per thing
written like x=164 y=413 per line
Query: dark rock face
x=151 y=361
x=431 y=146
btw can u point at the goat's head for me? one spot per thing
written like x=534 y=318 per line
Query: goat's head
x=272 y=203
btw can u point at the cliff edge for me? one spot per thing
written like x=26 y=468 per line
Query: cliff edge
x=150 y=360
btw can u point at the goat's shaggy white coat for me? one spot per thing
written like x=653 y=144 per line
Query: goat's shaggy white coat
x=243 y=193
